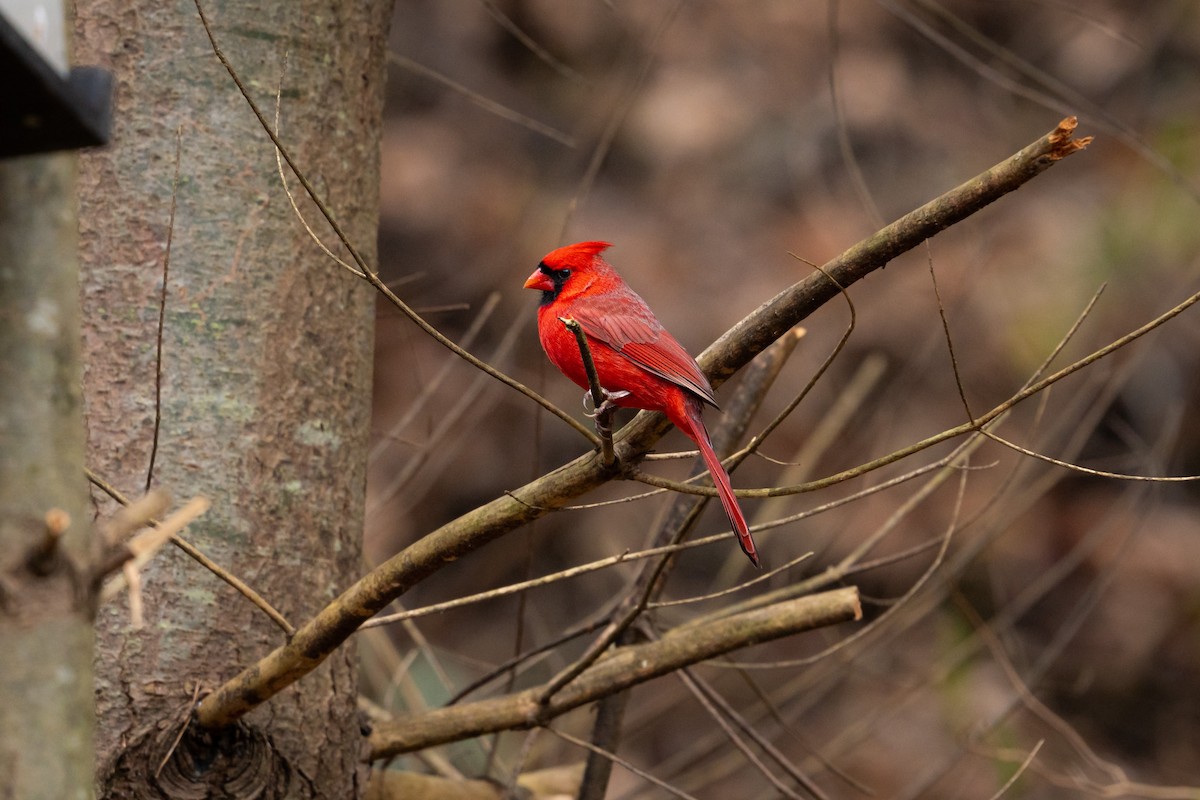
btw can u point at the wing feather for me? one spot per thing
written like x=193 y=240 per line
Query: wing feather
x=624 y=322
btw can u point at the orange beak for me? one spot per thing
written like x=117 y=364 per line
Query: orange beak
x=540 y=281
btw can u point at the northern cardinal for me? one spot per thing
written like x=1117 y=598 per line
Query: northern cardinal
x=639 y=364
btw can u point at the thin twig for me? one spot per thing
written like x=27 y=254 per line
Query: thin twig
x=530 y=43
x=486 y=103
x=724 y=713
x=1099 y=473
x=616 y=119
x=531 y=655
x=616 y=759
x=512 y=588
x=604 y=410
x=724 y=592
x=941 y=307
x=162 y=314
x=239 y=585
x=429 y=387
x=139 y=550
x=183 y=726
x=1012 y=779
x=287 y=189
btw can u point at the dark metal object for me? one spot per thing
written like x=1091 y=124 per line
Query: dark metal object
x=40 y=110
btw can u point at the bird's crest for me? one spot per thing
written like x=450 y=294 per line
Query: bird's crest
x=575 y=255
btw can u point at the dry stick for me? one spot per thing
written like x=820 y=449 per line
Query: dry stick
x=616 y=119
x=723 y=710
x=623 y=668
x=133 y=516
x=705 y=699
x=709 y=596
x=162 y=314
x=203 y=560
x=1099 y=473
x=512 y=588
x=430 y=387
x=1008 y=784
x=313 y=643
x=542 y=54
x=613 y=757
x=44 y=556
x=502 y=111
x=439 y=440
x=137 y=552
x=604 y=413
x=581 y=629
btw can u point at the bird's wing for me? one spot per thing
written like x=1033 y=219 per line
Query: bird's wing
x=624 y=322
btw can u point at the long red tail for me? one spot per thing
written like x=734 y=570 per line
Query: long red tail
x=692 y=423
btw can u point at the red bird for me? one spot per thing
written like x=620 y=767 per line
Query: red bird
x=638 y=363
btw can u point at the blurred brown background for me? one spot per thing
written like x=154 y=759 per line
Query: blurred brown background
x=708 y=141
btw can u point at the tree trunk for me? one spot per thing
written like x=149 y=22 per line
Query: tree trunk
x=266 y=368
x=45 y=596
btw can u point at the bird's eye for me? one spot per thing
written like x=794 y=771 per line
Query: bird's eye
x=563 y=274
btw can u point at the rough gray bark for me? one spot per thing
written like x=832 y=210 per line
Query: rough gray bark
x=266 y=370
x=45 y=597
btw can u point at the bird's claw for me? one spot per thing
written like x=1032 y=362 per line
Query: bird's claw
x=610 y=402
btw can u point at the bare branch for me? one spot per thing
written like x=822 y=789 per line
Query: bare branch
x=502 y=111
x=624 y=667
x=216 y=569
x=604 y=410
x=162 y=313
x=614 y=758
x=142 y=548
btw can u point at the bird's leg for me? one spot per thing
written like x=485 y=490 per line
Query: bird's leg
x=604 y=414
x=607 y=407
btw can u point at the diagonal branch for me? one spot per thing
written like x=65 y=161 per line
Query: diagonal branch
x=625 y=667
x=314 y=641
x=604 y=411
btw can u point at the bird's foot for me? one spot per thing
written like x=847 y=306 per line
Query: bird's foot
x=603 y=415
x=607 y=407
